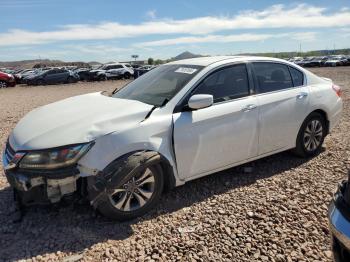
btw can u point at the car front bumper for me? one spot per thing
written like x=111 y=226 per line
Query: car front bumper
x=339 y=222
x=12 y=82
x=42 y=186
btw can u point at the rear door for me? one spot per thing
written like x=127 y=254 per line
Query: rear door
x=50 y=76
x=283 y=104
x=216 y=137
x=61 y=75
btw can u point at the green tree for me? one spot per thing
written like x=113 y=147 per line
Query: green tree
x=150 y=61
x=158 y=62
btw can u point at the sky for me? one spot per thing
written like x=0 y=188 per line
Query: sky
x=110 y=30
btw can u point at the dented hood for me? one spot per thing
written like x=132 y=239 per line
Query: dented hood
x=75 y=120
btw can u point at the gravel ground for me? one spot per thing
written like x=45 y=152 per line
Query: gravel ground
x=277 y=212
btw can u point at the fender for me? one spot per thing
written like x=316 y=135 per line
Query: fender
x=122 y=169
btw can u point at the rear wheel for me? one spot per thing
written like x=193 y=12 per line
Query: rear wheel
x=135 y=197
x=311 y=136
x=127 y=75
x=40 y=82
x=3 y=84
x=70 y=80
x=102 y=78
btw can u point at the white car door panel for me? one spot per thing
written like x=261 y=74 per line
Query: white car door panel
x=282 y=107
x=280 y=116
x=215 y=137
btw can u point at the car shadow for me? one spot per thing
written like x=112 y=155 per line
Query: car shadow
x=74 y=228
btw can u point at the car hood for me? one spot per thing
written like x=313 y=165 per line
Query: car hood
x=32 y=76
x=75 y=120
x=97 y=71
x=332 y=61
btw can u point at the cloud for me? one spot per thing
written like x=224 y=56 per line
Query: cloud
x=206 y=39
x=97 y=49
x=151 y=14
x=303 y=37
x=276 y=16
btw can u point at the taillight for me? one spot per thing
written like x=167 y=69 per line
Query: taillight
x=337 y=90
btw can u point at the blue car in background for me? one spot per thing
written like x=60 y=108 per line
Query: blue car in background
x=339 y=222
x=52 y=76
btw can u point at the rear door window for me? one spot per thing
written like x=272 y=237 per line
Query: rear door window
x=272 y=76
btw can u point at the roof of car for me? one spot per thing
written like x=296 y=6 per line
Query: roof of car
x=205 y=61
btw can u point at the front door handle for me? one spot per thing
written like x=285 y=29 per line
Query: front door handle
x=249 y=108
x=302 y=95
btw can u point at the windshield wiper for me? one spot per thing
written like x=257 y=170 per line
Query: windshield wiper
x=165 y=101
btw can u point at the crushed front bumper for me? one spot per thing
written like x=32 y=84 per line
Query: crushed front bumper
x=339 y=222
x=42 y=186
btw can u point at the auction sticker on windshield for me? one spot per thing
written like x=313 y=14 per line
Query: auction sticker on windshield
x=186 y=70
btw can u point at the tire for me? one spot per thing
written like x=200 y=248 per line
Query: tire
x=70 y=80
x=127 y=75
x=102 y=78
x=311 y=136
x=3 y=84
x=114 y=203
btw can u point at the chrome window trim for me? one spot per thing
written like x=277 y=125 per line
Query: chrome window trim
x=280 y=90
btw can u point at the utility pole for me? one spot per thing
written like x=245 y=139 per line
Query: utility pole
x=135 y=57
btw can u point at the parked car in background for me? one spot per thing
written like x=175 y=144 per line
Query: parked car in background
x=336 y=61
x=142 y=70
x=118 y=71
x=7 y=80
x=316 y=61
x=339 y=222
x=97 y=75
x=52 y=76
x=84 y=73
x=21 y=75
x=111 y=71
x=181 y=121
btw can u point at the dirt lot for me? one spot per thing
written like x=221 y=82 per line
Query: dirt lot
x=275 y=213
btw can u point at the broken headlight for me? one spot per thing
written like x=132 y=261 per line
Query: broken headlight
x=54 y=158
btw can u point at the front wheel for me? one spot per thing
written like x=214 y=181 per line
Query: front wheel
x=135 y=197
x=311 y=136
x=3 y=84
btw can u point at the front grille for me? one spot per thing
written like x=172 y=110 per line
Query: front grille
x=9 y=152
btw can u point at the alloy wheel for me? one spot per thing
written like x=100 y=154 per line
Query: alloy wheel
x=135 y=193
x=313 y=135
x=3 y=84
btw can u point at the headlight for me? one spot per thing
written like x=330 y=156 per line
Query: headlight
x=55 y=158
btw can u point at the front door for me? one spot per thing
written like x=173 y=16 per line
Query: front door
x=216 y=137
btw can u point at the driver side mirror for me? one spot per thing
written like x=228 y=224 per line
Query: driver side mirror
x=200 y=101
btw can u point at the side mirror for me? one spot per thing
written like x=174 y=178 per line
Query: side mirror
x=200 y=101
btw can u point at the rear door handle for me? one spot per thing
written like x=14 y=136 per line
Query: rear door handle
x=302 y=95
x=249 y=108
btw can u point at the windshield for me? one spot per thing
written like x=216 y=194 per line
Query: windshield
x=159 y=85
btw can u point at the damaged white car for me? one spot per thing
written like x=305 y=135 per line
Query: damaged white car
x=180 y=121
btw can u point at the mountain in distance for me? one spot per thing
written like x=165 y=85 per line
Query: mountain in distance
x=92 y=63
x=185 y=55
x=37 y=63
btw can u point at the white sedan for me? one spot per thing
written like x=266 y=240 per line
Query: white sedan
x=181 y=121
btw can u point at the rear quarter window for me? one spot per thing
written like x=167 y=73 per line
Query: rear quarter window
x=297 y=76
